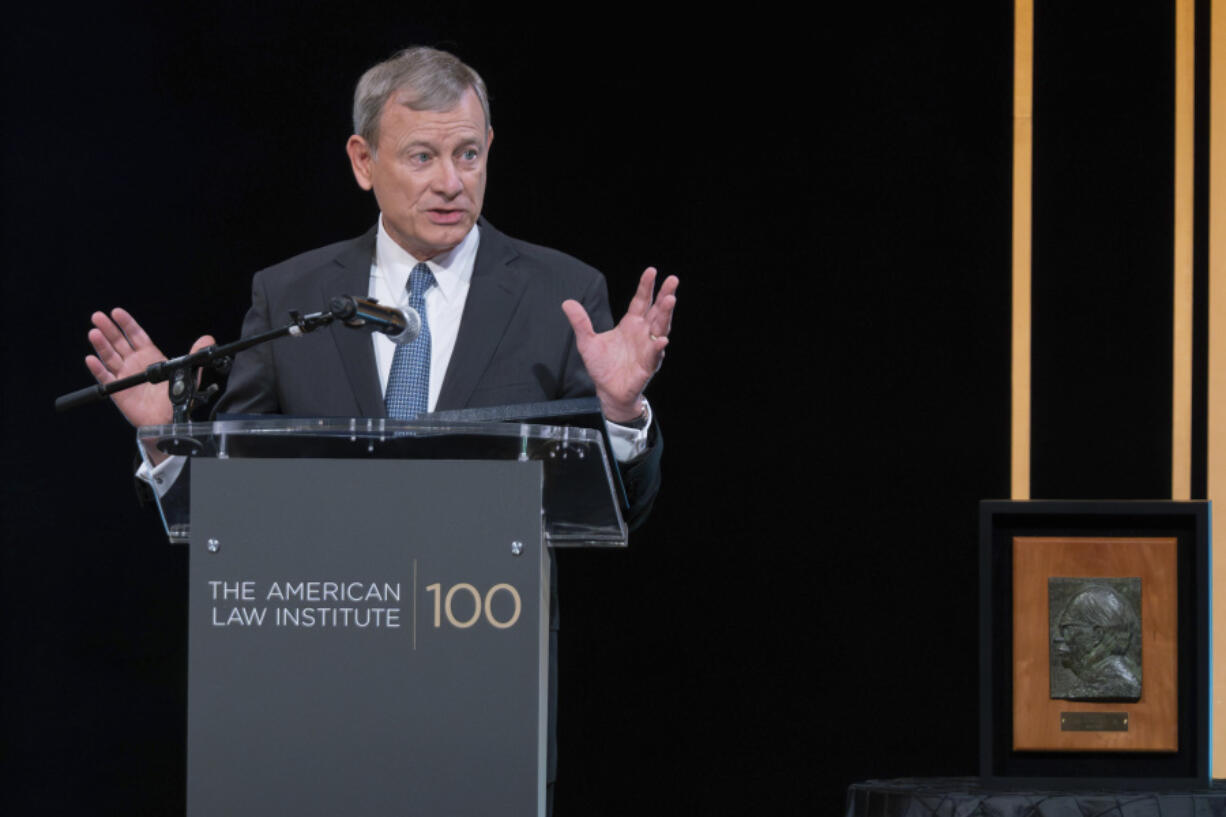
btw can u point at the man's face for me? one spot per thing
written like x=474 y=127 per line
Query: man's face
x=1076 y=638
x=428 y=173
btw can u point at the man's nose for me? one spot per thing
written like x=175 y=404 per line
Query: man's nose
x=447 y=180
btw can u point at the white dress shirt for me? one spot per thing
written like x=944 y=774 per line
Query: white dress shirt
x=389 y=279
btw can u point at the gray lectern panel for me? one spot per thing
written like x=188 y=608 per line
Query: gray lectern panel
x=366 y=638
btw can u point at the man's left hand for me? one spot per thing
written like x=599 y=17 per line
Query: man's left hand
x=622 y=360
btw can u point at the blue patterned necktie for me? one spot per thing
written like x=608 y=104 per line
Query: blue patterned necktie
x=408 y=385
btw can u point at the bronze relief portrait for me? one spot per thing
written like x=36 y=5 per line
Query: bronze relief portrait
x=1095 y=638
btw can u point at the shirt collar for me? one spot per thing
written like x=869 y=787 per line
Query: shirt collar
x=452 y=270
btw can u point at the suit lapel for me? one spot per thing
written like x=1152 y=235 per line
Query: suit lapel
x=350 y=275
x=494 y=293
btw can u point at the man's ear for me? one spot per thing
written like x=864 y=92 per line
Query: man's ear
x=360 y=157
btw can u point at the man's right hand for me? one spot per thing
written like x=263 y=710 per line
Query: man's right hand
x=123 y=349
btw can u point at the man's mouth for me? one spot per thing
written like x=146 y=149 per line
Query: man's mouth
x=446 y=216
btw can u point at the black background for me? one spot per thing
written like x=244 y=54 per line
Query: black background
x=799 y=612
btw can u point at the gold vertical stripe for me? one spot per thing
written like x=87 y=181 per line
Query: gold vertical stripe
x=1181 y=369
x=1216 y=461
x=1023 y=96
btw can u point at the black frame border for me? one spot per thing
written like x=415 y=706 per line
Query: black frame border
x=1188 y=522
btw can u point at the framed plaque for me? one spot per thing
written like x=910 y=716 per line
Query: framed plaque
x=1094 y=642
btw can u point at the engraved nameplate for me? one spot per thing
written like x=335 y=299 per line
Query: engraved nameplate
x=1093 y=721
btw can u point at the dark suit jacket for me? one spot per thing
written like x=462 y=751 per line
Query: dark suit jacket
x=515 y=344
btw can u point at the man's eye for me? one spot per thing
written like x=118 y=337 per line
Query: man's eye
x=470 y=154
x=420 y=158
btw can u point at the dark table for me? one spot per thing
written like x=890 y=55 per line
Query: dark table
x=967 y=797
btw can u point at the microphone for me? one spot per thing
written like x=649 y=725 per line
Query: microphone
x=400 y=325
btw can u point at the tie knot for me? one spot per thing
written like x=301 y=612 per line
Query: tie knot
x=420 y=279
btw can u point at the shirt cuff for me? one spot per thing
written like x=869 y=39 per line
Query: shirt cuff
x=162 y=476
x=629 y=443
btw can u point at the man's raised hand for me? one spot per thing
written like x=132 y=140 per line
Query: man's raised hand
x=123 y=349
x=622 y=361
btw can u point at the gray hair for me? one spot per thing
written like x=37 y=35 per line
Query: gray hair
x=436 y=80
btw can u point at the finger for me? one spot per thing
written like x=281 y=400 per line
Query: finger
x=113 y=334
x=641 y=301
x=107 y=354
x=202 y=342
x=651 y=357
x=98 y=369
x=660 y=321
x=579 y=320
x=669 y=287
x=131 y=329
x=96 y=337
x=100 y=319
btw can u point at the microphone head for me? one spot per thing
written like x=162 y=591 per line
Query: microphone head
x=412 y=327
x=399 y=325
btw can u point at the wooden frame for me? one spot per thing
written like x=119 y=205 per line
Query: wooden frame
x=1152 y=720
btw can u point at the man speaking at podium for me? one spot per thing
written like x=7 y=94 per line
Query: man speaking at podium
x=503 y=321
